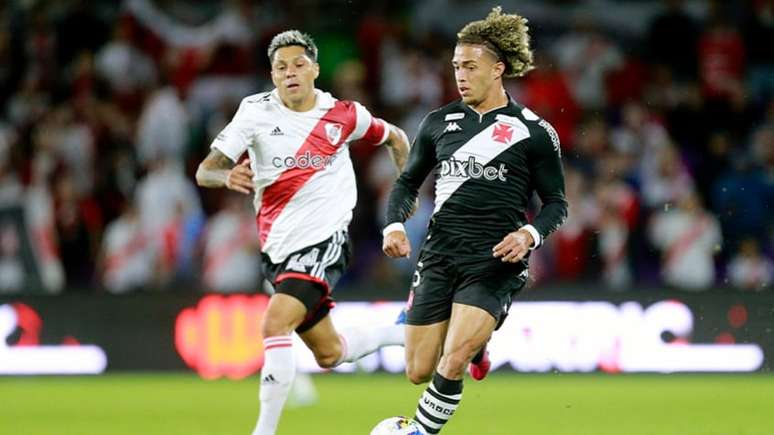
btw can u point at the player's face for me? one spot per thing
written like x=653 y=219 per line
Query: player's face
x=293 y=73
x=476 y=71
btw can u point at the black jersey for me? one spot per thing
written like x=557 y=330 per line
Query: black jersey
x=486 y=169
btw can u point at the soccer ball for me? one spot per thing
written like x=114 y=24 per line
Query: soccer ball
x=398 y=426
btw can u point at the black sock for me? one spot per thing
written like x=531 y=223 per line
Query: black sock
x=438 y=403
x=479 y=356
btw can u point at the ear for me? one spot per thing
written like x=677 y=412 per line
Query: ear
x=316 y=70
x=498 y=69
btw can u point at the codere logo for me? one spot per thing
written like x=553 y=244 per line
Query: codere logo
x=304 y=161
x=472 y=169
x=221 y=336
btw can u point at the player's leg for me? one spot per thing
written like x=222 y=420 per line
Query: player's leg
x=480 y=305
x=470 y=327
x=469 y=330
x=302 y=391
x=331 y=347
x=283 y=315
x=427 y=315
x=504 y=291
x=302 y=282
x=424 y=344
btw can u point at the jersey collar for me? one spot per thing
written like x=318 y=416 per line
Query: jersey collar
x=510 y=104
x=325 y=100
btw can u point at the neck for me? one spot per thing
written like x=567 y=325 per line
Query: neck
x=304 y=105
x=494 y=99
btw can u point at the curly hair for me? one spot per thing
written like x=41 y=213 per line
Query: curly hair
x=293 y=37
x=504 y=34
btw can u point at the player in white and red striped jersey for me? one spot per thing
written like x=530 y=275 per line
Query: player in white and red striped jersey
x=297 y=139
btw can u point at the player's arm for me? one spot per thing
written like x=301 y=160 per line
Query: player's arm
x=220 y=168
x=217 y=170
x=402 y=200
x=398 y=144
x=544 y=159
x=376 y=131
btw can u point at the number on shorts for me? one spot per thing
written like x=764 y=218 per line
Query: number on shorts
x=417 y=278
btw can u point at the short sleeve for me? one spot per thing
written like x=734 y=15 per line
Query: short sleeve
x=234 y=139
x=369 y=128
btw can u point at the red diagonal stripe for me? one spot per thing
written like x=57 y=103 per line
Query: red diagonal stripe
x=279 y=194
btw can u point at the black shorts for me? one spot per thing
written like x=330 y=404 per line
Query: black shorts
x=322 y=265
x=441 y=280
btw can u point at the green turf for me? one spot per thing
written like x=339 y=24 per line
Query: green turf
x=350 y=405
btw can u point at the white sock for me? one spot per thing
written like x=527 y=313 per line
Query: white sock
x=279 y=369
x=361 y=341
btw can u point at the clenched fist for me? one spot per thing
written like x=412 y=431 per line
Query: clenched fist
x=396 y=244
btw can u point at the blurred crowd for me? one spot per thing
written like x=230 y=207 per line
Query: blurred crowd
x=664 y=109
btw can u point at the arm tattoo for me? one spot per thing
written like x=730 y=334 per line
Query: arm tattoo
x=398 y=147
x=213 y=171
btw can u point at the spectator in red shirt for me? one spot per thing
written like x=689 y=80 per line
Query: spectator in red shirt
x=546 y=91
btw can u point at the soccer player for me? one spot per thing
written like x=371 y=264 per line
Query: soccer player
x=297 y=140
x=490 y=154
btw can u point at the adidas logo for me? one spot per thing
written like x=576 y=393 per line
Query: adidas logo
x=276 y=132
x=451 y=127
x=269 y=379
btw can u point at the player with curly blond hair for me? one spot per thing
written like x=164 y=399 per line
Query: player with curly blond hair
x=490 y=154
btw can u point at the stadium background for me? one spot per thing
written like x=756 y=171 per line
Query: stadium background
x=665 y=113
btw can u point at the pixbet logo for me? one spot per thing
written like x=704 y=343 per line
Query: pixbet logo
x=472 y=169
x=304 y=161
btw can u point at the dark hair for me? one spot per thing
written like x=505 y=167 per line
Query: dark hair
x=293 y=37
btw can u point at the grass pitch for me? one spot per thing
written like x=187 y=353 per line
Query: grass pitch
x=503 y=404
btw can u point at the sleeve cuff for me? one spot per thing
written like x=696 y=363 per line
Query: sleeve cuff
x=395 y=226
x=386 y=132
x=216 y=146
x=535 y=236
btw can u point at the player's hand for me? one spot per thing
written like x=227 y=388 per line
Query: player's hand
x=396 y=245
x=240 y=178
x=514 y=246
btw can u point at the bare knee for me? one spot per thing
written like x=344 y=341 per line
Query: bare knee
x=282 y=316
x=274 y=326
x=329 y=356
x=419 y=373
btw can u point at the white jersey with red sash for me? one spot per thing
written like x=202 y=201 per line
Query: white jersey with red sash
x=688 y=242
x=304 y=182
